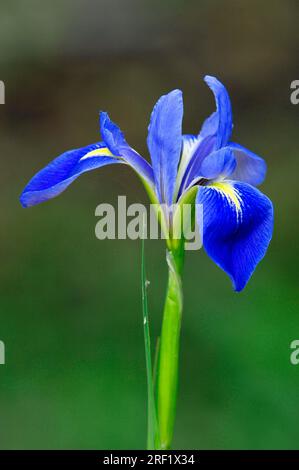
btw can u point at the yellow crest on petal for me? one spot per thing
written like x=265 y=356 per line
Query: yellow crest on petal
x=101 y=152
x=227 y=190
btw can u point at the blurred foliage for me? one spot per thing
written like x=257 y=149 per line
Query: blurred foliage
x=70 y=305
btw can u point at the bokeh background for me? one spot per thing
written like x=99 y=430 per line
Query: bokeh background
x=70 y=304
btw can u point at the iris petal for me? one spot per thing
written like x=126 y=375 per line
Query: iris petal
x=214 y=134
x=189 y=144
x=165 y=142
x=219 y=123
x=250 y=167
x=210 y=126
x=192 y=172
x=116 y=142
x=237 y=227
x=61 y=172
x=219 y=164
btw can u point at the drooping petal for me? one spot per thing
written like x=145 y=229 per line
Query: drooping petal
x=165 y=143
x=61 y=172
x=116 y=142
x=219 y=123
x=237 y=227
x=250 y=167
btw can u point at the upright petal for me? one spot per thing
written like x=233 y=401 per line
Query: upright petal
x=210 y=126
x=193 y=169
x=219 y=123
x=189 y=144
x=250 y=167
x=165 y=143
x=116 y=142
x=237 y=227
x=214 y=134
x=61 y=172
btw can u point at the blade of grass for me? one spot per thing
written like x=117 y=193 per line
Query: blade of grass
x=151 y=406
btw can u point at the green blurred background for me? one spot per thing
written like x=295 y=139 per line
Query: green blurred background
x=70 y=304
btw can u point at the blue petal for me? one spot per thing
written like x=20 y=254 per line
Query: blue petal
x=250 y=167
x=237 y=227
x=116 y=142
x=210 y=126
x=61 y=172
x=219 y=164
x=193 y=169
x=165 y=143
x=189 y=144
x=111 y=134
x=216 y=165
x=220 y=123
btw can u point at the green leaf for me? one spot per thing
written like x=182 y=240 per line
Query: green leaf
x=152 y=428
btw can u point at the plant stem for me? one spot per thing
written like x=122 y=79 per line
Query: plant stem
x=152 y=431
x=167 y=374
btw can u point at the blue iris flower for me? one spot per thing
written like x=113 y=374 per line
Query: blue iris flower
x=238 y=218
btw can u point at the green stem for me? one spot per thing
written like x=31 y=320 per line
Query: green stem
x=167 y=374
x=152 y=431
